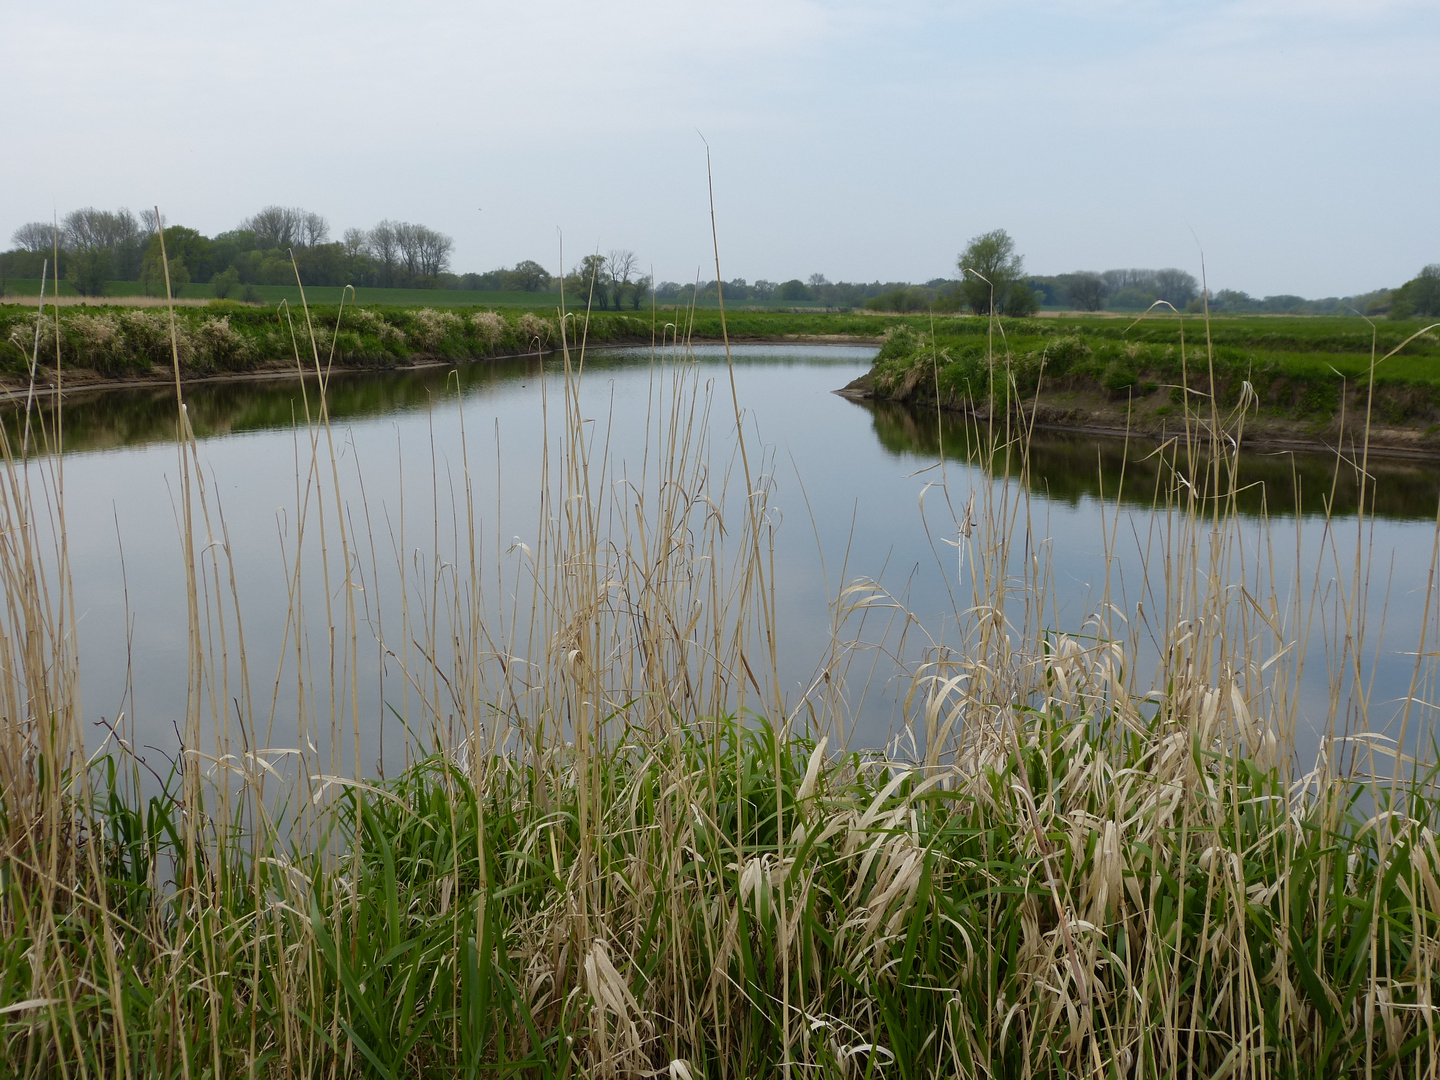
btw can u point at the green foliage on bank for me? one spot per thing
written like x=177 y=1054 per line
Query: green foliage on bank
x=226 y=337
x=924 y=912
x=1295 y=366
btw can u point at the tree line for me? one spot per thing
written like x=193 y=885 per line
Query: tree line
x=96 y=246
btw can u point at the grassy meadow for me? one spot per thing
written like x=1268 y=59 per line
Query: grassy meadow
x=619 y=849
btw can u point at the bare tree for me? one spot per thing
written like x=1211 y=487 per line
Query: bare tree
x=356 y=243
x=276 y=226
x=408 y=240
x=33 y=236
x=620 y=266
x=435 y=248
x=314 y=229
x=92 y=230
x=386 y=247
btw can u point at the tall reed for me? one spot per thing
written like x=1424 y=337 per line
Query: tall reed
x=595 y=863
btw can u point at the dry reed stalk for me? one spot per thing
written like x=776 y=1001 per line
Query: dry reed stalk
x=590 y=864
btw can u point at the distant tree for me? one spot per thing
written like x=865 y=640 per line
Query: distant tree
x=178 y=241
x=640 y=291
x=225 y=282
x=182 y=243
x=179 y=275
x=792 y=290
x=1019 y=301
x=435 y=249
x=817 y=282
x=1085 y=291
x=313 y=229
x=90 y=229
x=356 y=243
x=1418 y=296
x=762 y=289
x=102 y=244
x=1284 y=304
x=407 y=244
x=905 y=298
x=987 y=266
x=1233 y=301
x=1130 y=298
x=87 y=270
x=35 y=236
x=1117 y=280
x=1175 y=287
x=276 y=226
x=385 y=246
x=588 y=280
x=620 y=266
x=529 y=276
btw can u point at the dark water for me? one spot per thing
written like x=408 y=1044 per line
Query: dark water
x=847 y=481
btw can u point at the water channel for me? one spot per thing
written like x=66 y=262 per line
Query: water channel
x=846 y=483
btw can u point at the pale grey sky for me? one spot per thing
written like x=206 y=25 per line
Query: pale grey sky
x=1295 y=142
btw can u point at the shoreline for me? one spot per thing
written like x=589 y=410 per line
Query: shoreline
x=1090 y=414
x=85 y=381
x=1084 y=414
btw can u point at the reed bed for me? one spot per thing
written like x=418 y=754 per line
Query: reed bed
x=617 y=848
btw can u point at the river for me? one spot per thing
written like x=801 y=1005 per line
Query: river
x=852 y=493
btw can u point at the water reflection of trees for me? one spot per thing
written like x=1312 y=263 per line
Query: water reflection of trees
x=1071 y=466
x=114 y=418
x=111 y=419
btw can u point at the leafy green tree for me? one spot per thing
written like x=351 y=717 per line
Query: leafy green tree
x=184 y=244
x=987 y=267
x=225 y=282
x=1175 y=286
x=152 y=272
x=1019 y=301
x=87 y=269
x=1418 y=296
x=528 y=276
x=793 y=290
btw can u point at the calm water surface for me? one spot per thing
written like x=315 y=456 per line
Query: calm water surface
x=847 y=481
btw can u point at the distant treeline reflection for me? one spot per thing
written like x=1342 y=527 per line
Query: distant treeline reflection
x=134 y=416
x=1072 y=466
x=114 y=418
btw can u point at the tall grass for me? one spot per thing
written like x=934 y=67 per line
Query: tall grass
x=617 y=849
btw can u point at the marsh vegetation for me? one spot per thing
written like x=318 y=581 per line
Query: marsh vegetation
x=619 y=843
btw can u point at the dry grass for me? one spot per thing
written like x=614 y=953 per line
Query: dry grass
x=590 y=866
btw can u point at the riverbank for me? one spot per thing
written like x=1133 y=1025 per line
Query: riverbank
x=1308 y=378
x=1146 y=387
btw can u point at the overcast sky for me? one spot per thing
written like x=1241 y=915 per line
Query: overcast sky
x=1294 y=142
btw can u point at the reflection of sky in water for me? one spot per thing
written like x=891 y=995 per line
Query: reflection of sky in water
x=844 y=473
